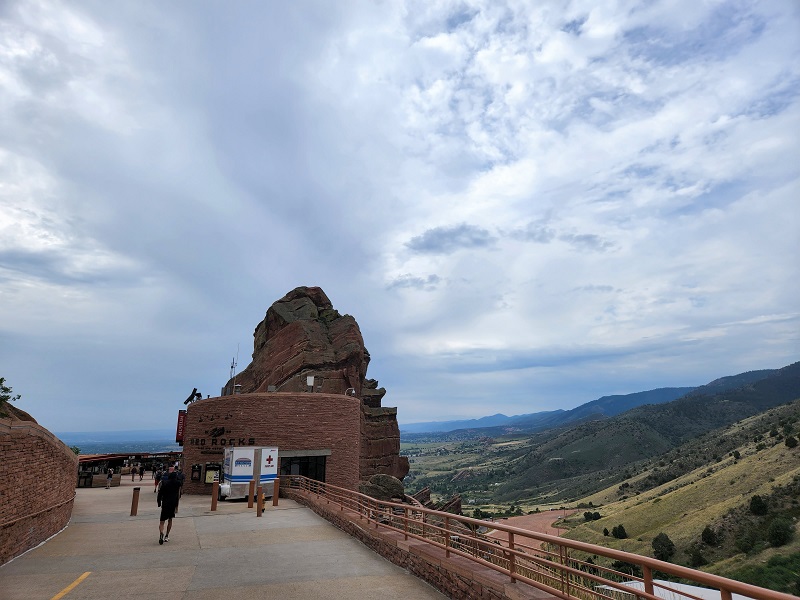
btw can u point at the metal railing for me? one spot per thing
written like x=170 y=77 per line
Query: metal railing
x=556 y=565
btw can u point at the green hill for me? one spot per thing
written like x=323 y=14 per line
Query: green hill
x=567 y=463
x=706 y=512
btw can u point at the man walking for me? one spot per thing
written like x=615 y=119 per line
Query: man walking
x=168 y=501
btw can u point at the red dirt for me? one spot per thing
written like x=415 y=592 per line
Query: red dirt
x=541 y=522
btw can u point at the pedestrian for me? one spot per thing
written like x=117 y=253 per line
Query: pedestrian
x=141 y=471
x=133 y=474
x=167 y=499
x=109 y=477
x=156 y=479
x=179 y=478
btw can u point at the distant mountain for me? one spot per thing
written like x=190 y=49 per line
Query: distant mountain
x=490 y=421
x=494 y=425
x=102 y=437
x=607 y=406
x=607 y=447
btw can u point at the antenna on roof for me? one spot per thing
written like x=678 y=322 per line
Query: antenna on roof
x=234 y=364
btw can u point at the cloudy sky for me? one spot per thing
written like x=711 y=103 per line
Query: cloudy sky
x=525 y=206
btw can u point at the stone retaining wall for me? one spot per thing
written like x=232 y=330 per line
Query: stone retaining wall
x=37 y=486
x=455 y=576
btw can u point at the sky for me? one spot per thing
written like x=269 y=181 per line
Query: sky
x=525 y=205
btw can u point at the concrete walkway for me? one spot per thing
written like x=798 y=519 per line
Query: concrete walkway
x=288 y=553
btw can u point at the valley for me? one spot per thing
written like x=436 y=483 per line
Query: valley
x=684 y=471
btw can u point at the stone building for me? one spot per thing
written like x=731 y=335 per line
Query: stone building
x=306 y=391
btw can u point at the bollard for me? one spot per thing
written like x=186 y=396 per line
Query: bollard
x=276 y=488
x=260 y=504
x=214 y=495
x=135 y=502
x=251 y=492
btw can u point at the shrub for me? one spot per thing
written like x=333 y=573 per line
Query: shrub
x=780 y=532
x=696 y=558
x=605 y=531
x=663 y=548
x=619 y=532
x=790 y=442
x=745 y=541
x=709 y=536
x=758 y=506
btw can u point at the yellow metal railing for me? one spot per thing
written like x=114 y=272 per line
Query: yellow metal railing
x=547 y=562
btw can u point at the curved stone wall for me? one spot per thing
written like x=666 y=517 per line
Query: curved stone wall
x=37 y=486
x=298 y=423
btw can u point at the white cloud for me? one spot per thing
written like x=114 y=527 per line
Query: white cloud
x=544 y=203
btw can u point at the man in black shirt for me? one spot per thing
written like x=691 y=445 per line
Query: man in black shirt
x=168 y=493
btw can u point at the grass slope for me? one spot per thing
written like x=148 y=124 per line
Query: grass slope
x=716 y=495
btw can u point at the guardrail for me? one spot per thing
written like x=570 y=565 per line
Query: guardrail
x=553 y=564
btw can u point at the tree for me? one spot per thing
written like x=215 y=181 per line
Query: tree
x=6 y=394
x=758 y=506
x=619 y=532
x=780 y=532
x=663 y=548
x=709 y=536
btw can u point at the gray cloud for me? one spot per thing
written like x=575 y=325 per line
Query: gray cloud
x=587 y=241
x=446 y=240
x=410 y=281
x=534 y=232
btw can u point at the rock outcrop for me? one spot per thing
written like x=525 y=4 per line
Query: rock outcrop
x=303 y=338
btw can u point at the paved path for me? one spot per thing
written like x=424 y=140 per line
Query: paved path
x=289 y=553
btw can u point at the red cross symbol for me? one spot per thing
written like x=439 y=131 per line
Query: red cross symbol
x=269 y=460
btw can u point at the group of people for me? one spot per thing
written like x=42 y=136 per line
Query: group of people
x=169 y=486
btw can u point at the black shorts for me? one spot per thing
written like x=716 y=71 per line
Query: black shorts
x=167 y=512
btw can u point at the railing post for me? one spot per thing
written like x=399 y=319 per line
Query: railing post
x=276 y=491
x=250 y=493
x=260 y=503
x=647 y=573
x=135 y=501
x=405 y=522
x=447 y=537
x=214 y=495
x=725 y=595
x=511 y=557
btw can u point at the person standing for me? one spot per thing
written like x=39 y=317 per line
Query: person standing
x=109 y=477
x=141 y=471
x=133 y=474
x=167 y=499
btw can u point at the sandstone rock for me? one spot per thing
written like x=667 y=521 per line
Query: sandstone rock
x=303 y=336
x=383 y=487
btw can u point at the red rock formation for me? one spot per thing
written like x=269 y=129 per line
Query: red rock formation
x=303 y=336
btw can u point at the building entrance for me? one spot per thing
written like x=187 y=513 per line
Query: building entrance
x=312 y=467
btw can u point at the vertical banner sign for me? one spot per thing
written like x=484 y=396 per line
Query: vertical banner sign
x=181 y=426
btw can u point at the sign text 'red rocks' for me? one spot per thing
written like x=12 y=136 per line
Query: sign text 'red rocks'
x=222 y=441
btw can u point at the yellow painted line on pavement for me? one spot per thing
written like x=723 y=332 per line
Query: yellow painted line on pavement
x=71 y=586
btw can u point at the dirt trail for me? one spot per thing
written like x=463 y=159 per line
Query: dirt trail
x=539 y=522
